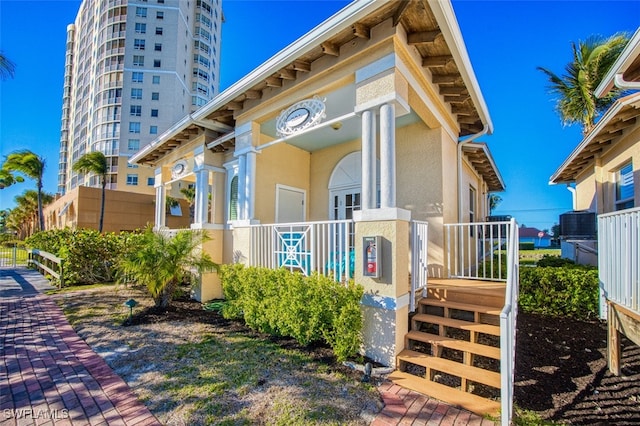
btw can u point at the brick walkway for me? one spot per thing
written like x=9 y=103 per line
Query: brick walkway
x=49 y=375
x=404 y=407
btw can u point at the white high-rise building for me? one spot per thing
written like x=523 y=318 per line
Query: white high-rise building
x=133 y=69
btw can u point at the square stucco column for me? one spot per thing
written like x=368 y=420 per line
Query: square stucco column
x=209 y=286
x=385 y=304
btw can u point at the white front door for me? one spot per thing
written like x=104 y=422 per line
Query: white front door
x=345 y=202
x=290 y=204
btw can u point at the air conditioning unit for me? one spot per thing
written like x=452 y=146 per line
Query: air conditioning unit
x=578 y=225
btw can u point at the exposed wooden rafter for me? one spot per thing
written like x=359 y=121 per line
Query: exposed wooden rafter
x=302 y=66
x=273 y=82
x=445 y=78
x=330 y=49
x=451 y=90
x=436 y=61
x=288 y=74
x=253 y=94
x=360 y=30
x=235 y=106
x=399 y=11
x=423 y=37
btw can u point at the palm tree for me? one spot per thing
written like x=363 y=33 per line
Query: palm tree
x=7 y=178
x=494 y=200
x=95 y=162
x=22 y=217
x=592 y=59
x=162 y=262
x=32 y=166
x=7 y=68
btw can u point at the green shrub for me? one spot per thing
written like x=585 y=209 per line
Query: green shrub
x=560 y=291
x=554 y=261
x=89 y=256
x=527 y=246
x=309 y=309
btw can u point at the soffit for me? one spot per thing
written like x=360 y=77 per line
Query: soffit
x=480 y=159
x=423 y=33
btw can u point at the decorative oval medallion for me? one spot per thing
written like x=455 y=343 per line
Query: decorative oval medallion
x=300 y=116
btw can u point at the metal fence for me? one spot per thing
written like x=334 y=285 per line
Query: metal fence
x=13 y=257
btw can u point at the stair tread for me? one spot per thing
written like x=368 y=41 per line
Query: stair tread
x=461 y=324
x=471 y=402
x=491 y=310
x=449 y=342
x=475 y=374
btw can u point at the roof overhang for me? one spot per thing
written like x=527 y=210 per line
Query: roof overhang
x=622 y=115
x=481 y=160
x=450 y=69
x=627 y=66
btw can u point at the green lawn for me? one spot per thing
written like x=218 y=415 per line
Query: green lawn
x=531 y=257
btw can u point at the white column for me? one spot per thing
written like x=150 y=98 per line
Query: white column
x=250 y=199
x=387 y=156
x=242 y=186
x=202 y=197
x=161 y=202
x=368 y=160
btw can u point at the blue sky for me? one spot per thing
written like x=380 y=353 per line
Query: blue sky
x=506 y=41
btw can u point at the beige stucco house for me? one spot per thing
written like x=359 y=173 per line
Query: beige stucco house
x=365 y=131
x=605 y=168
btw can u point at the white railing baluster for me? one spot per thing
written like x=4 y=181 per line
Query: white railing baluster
x=619 y=259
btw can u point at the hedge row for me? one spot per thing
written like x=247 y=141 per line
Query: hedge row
x=309 y=309
x=89 y=256
x=560 y=291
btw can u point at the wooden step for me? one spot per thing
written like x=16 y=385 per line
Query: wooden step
x=475 y=374
x=471 y=402
x=463 y=325
x=490 y=310
x=451 y=343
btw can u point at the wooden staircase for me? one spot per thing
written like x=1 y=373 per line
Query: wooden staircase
x=452 y=351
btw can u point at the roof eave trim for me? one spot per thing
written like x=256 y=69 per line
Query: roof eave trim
x=340 y=20
x=172 y=131
x=606 y=118
x=487 y=153
x=445 y=15
x=626 y=58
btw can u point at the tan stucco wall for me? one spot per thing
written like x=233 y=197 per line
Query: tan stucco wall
x=279 y=164
x=595 y=187
x=124 y=211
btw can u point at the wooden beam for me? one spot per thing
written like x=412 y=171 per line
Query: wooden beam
x=423 y=37
x=360 y=30
x=445 y=78
x=287 y=74
x=220 y=114
x=234 y=106
x=456 y=99
x=302 y=66
x=451 y=90
x=436 y=61
x=253 y=94
x=620 y=125
x=462 y=110
x=273 y=82
x=399 y=11
x=468 y=120
x=633 y=112
x=330 y=49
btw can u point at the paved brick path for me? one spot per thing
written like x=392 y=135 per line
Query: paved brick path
x=405 y=407
x=49 y=375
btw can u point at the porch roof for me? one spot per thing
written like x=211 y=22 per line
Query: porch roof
x=431 y=28
x=611 y=127
x=481 y=159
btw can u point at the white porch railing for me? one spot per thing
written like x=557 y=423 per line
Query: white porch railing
x=508 y=317
x=478 y=250
x=419 y=260
x=324 y=247
x=619 y=259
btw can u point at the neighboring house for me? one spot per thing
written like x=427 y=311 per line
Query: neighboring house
x=605 y=168
x=123 y=211
x=357 y=138
x=534 y=235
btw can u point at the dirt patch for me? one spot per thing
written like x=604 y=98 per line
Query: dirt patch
x=561 y=373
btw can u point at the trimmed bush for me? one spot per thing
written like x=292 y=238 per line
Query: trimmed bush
x=309 y=309
x=89 y=257
x=560 y=291
x=554 y=261
x=527 y=246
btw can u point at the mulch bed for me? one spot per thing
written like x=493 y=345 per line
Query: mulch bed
x=561 y=369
